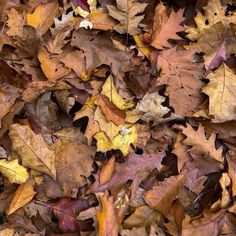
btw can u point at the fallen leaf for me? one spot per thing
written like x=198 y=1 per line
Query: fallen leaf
x=221 y=94
x=43 y=16
x=13 y=171
x=107 y=221
x=7 y=232
x=128 y=14
x=151 y=106
x=23 y=195
x=32 y=149
x=232 y=174
x=133 y=168
x=166 y=26
x=160 y=197
x=66 y=211
x=107 y=171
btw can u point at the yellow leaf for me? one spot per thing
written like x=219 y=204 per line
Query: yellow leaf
x=7 y=232
x=109 y=90
x=43 y=16
x=101 y=20
x=222 y=94
x=13 y=171
x=23 y=195
x=142 y=47
x=107 y=219
x=32 y=149
x=121 y=141
x=51 y=67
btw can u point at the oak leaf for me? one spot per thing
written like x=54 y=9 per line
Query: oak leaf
x=23 y=195
x=221 y=92
x=100 y=51
x=200 y=144
x=128 y=14
x=43 y=16
x=107 y=219
x=13 y=171
x=166 y=26
x=151 y=107
x=160 y=197
x=182 y=76
x=107 y=170
x=32 y=149
x=133 y=169
x=66 y=211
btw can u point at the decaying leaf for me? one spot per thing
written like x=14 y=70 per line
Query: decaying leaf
x=32 y=149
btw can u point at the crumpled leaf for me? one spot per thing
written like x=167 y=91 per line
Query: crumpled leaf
x=200 y=144
x=221 y=94
x=66 y=211
x=128 y=14
x=107 y=219
x=166 y=26
x=13 y=171
x=23 y=195
x=151 y=106
x=32 y=149
x=132 y=169
x=43 y=16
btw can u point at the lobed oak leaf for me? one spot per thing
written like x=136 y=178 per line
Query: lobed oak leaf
x=23 y=195
x=160 y=197
x=66 y=211
x=221 y=94
x=133 y=169
x=166 y=26
x=111 y=112
x=151 y=107
x=127 y=135
x=32 y=149
x=13 y=171
x=73 y=164
x=43 y=16
x=128 y=14
x=107 y=219
x=101 y=50
x=200 y=144
x=182 y=76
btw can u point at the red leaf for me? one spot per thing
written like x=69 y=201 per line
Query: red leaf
x=66 y=211
x=81 y=3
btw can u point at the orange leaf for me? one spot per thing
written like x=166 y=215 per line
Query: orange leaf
x=111 y=112
x=107 y=170
x=23 y=195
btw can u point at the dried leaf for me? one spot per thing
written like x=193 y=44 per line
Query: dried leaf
x=23 y=195
x=33 y=149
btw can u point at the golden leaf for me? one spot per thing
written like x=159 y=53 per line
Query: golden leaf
x=13 y=171
x=23 y=195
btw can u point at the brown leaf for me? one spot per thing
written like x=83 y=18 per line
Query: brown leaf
x=160 y=197
x=107 y=220
x=182 y=76
x=166 y=26
x=110 y=110
x=232 y=174
x=33 y=150
x=23 y=195
x=73 y=165
x=107 y=170
x=200 y=144
x=132 y=169
x=100 y=51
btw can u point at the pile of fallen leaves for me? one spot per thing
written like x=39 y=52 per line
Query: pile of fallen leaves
x=117 y=117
